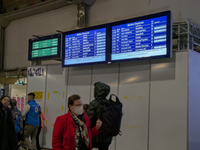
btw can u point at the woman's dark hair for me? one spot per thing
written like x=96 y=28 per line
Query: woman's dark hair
x=85 y=107
x=73 y=98
x=4 y=97
x=11 y=104
x=14 y=102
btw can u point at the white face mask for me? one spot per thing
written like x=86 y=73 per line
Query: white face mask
x=78 y=110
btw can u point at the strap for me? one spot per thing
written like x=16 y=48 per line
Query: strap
x=117 y=99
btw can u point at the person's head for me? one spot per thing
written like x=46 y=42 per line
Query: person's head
x=101 y=90
x=75 y=104
x=85 y=107
x=14 y=102
x=5 y=100
x=31 y=96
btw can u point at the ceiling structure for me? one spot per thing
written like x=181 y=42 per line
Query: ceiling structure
x=17 y=9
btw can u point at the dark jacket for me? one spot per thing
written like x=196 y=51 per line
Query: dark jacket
x=8 y=139
x=101 y=91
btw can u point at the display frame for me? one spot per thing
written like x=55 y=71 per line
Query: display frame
x=168 y=42
x=50 y=57
x=108 y=36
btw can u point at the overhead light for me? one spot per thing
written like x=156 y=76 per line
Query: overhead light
x=20 y=83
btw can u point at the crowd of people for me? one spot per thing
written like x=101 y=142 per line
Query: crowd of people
x=79 y=129
x=16 y=128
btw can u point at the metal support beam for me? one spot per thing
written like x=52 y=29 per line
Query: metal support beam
x=2 y=35
x=7 y=88
x=1 y=5
x=82 y=15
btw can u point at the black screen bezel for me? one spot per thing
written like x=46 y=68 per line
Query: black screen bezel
x=169 y=36
x=58 y=56
x=85 y=30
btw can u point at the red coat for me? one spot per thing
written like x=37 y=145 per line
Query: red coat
x=65 y=130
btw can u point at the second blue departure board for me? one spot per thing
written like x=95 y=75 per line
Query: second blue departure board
x=140 y=39
x=85 y=47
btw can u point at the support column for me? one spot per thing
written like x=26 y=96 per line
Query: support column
x=82 y=15
x=7 y=88
x=1 y=6
x=2 y=31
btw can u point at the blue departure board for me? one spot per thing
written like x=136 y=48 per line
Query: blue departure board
x=141 y=39
x=85 y=47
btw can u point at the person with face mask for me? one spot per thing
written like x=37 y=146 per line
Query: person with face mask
x=72 y=131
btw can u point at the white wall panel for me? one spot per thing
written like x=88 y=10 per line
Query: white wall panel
x=134 y=94
x=79 y=82
x=19 y=31
x=108 y=74
x=160 y=124
x=18 y=90
x=38 y=83
x=55 y=99
x=168 y=103
x=194 y=102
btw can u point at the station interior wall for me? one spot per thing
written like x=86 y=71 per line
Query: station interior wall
x=154 y=94
x=18 y=90
x=193 y=101
x=102 y=11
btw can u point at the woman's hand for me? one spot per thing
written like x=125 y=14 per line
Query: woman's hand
x=98 y=124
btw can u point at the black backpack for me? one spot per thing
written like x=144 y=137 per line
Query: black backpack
x=111 y=116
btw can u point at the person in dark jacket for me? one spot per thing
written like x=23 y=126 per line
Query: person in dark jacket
x=8 y=139
x=101 y=91
x=17 y=115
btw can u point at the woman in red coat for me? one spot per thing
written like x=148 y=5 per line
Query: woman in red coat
x=72 y=131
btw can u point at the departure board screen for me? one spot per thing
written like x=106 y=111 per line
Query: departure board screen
x=141 y=39
x=85 y=47
x=46 y=47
